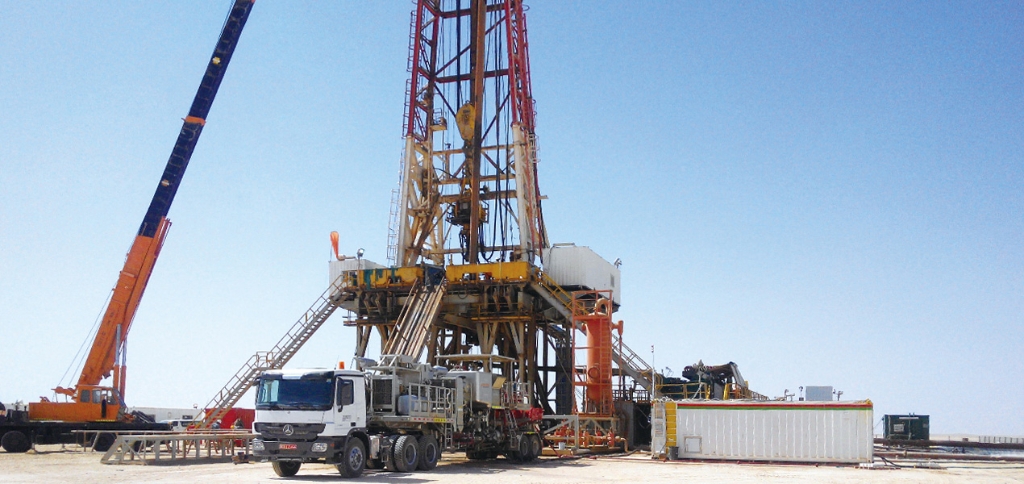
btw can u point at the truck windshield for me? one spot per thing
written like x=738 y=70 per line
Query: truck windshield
x=311 y=392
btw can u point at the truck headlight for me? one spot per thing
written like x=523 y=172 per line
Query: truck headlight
x=258 y=445
x=320 y=447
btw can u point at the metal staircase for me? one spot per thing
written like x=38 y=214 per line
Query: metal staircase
x=409 y=337
x=626 y=359
x=631 y=363
x=553 y=293
x=276 y=358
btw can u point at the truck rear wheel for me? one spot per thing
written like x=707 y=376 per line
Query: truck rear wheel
x=536 y=446
x=430 y=453
x=406 y=456
x=519 y=453
x=353 y=460
x=15 y=442
x=286 y=468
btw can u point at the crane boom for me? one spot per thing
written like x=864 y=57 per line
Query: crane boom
x=117 y=319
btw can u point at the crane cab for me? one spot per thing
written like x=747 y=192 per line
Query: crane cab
x=92 y=403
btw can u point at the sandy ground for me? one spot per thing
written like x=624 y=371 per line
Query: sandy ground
x=51 y=464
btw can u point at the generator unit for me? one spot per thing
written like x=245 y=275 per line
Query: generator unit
x=906 y=427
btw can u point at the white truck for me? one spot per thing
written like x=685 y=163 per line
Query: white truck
x=397 y=416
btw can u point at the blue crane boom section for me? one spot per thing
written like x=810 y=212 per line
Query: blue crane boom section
x=141 y=258
x=193 y=125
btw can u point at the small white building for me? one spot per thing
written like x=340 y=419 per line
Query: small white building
x=745 y=430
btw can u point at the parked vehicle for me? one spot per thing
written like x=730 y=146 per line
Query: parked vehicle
x=398 y=416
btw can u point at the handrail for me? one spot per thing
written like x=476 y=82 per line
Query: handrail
x=421 y=308
x=555 y=289
x=278 y=356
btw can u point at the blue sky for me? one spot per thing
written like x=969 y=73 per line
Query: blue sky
x=824 y=193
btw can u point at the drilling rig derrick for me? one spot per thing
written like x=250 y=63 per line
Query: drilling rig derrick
x=463 y=274
x=466 y=282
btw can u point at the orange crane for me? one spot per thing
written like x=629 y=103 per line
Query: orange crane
x=89 y=405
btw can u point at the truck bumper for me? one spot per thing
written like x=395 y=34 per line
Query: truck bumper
x=323 y=449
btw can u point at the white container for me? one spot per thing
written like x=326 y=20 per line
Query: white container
x=577 y=266
x=831 y=432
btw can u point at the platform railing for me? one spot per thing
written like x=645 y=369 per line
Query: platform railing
x=153 y=447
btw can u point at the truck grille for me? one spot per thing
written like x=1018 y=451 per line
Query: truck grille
x=274 y=431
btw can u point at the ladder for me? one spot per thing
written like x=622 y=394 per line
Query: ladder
x=508 y=403
x=449 y=413
x=276 y=358
x=393 y=225
x=409 y=338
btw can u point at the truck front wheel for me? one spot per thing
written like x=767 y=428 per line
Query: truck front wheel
x=286 y=468
x=15 y=442
x=353 y=460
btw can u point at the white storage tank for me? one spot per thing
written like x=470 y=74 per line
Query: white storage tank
x=162 y=413
x=573 y=266
x=745 y=430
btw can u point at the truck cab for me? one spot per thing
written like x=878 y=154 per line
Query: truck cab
x=316 y=415
x=92 y=403
x=399 y=415
x=321 y=399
